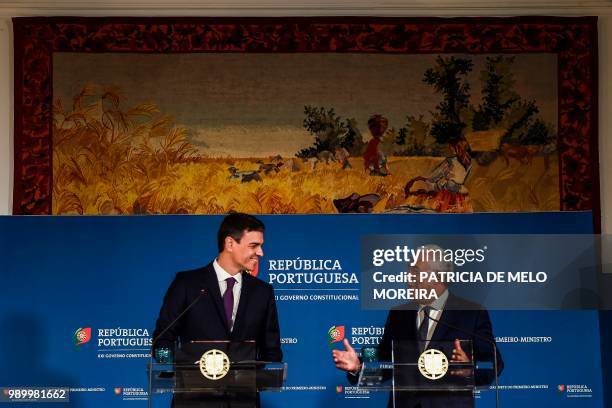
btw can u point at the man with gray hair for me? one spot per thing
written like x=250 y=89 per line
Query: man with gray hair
x=430 y=322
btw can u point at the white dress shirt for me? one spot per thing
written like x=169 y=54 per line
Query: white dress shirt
x=222 y=275
x=435 y=312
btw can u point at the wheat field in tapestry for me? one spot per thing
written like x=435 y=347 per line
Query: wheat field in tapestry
x=158 y=146
x=113 y=161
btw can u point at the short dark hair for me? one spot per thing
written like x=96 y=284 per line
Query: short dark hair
x=234 y=225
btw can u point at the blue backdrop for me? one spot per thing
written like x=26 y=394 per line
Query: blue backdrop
x=109 y=274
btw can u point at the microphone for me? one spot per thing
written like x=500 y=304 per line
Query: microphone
x=172 y=323
x=481 y=337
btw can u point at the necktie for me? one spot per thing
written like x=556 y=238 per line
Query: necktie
x=424 y=328
x=228 y=300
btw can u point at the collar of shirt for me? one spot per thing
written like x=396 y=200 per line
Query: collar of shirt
x=222 y=274
x=436 y=310
x=437 y=304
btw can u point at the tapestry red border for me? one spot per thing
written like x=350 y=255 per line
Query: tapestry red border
x=573 y=40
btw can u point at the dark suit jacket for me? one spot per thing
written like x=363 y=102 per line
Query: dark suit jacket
x=466 y=317
x=460 y=313
x=256 y=318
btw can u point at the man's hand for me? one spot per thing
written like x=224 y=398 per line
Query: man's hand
x=459 y=356
x=346 y=360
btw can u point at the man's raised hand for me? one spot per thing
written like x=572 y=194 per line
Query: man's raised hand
x=346 y=360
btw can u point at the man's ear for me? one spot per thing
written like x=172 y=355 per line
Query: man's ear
x=229 y=243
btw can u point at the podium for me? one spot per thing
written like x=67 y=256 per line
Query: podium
x=428 y=377
x=215 y=374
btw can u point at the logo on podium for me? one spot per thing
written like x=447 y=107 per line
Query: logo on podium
x=214 y=364
x=433 y=364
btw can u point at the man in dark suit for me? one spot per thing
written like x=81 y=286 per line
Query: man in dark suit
x=230 y=304
x=433 y=324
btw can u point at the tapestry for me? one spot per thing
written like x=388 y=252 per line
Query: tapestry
x=285 y=116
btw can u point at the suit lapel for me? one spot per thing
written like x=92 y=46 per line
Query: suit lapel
x=411 y=324
x=441 y=328
x=245 y=293
x=449 y=316
x=210 y=280
x=412 y=334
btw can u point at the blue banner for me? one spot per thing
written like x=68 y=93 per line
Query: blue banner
x=80 y=296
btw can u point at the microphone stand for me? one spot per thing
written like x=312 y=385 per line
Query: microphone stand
x=172 y=323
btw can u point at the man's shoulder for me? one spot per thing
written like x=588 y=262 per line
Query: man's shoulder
x=404 y=307
x=256 y=283
x=458 y=303
x=403 y=311
x=452 y=303
x=191 y=275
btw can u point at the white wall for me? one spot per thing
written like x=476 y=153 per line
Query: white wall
x=6 y=115
x=602 y=8
x=605 y=121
